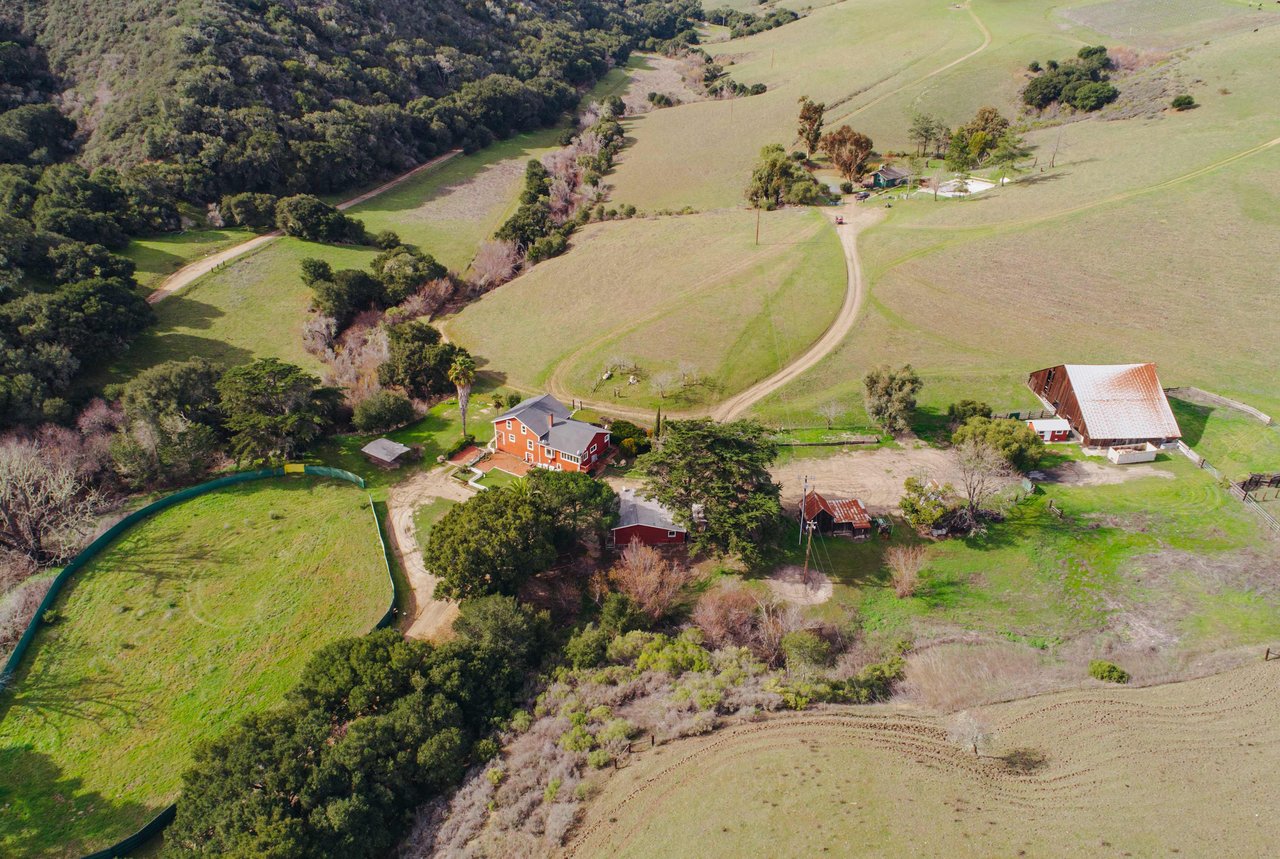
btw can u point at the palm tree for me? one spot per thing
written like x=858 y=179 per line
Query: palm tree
x=462 y=373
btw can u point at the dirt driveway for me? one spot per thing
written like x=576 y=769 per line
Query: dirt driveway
x=427 y=616
x=873 y=476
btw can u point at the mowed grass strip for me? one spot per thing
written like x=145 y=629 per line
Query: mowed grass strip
x=192 y=619
x=662 y=292
x=1234 y=443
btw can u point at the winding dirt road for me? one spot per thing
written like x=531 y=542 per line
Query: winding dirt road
x=856 y=220
x=427 y=617
x=190 y=273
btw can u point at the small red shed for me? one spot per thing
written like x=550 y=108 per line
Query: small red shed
x=642 y=519
x=1051 y=429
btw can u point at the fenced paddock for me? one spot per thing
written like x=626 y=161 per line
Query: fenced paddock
x=186 y=615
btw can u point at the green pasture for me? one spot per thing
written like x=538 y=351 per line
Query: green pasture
x=658 y=293
x=191 y=620
x=1041 y=579
x=1232 y=442
x=426 y=516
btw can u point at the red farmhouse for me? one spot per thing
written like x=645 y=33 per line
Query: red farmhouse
x=540 y=432
x=647 y=521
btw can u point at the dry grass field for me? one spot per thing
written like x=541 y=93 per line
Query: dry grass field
x=1102 y=771
x=661 y=293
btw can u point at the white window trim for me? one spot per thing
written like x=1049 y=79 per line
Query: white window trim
x=512 y=436
x=508 y=424
x=672 y=533
x=529 y=443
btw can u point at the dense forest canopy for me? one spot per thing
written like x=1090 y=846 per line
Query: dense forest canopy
x=279 y=95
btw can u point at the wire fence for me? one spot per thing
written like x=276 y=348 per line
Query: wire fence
x=157 y=824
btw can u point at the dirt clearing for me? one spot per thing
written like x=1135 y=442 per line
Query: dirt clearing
x=875 y=477
x=1101 y=771
x=790 y=584
x=1087 y=473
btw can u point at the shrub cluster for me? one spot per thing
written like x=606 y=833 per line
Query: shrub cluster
x=1107 y=672
x=1082 y=83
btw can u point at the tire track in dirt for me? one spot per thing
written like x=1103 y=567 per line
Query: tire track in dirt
x=427 y=616
x=191 y=272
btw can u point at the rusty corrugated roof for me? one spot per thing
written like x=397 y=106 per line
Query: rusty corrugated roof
x=1122 y=401
x=840 y=509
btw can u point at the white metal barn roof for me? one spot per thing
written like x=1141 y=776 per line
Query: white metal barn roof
x=1122 y=401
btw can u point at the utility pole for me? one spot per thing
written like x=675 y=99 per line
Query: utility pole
x=804 y=496
x=808 y=548
x=757 y=226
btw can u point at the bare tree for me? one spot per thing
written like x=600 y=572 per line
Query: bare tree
x=726 y=615
x=830 y=412
x=774 y=620
x=47 y=505
x=662 y=383
x=495 y=263
x=652 y=581
x=905 y=564
x=983 y=470
x=688 y=373
x=318 y=334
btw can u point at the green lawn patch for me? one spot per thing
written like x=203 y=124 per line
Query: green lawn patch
x=1234 y=443
x=426 y=516
x=192 y=619
x=158 y=257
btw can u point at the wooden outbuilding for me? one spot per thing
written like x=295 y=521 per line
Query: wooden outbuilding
x=1109 y=405
x=842 y=516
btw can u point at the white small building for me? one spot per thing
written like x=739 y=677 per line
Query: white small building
x=1051 y=429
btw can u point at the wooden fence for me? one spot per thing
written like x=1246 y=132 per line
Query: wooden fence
x=1192 y=394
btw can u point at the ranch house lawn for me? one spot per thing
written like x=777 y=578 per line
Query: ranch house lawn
x=497 y=478
x=1041 y=579
x=191 y=620
x=436 y=432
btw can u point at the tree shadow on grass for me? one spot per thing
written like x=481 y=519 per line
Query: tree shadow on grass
x=48 y=813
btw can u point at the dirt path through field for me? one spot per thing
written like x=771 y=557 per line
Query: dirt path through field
x=556 y=384
x=986 y=42
x=856 y=220
x=1123 y=196
x=427 y=615
x=192 y=272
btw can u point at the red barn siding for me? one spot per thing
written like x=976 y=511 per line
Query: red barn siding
x=647 y=534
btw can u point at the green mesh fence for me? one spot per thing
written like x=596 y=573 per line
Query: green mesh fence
x=165 y=817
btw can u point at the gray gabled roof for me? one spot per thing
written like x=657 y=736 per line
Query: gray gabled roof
x=385 y=449
x=533 y=411
x=635 y=509
x=550 y=420
x=890 y=172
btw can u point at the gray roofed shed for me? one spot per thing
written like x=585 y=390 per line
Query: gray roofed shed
x=384 y=451
x=635 y=509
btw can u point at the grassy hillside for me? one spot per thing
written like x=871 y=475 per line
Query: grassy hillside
x=194 y=618
x=661 y=292
x=1092 y=771
x=1149 y=239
